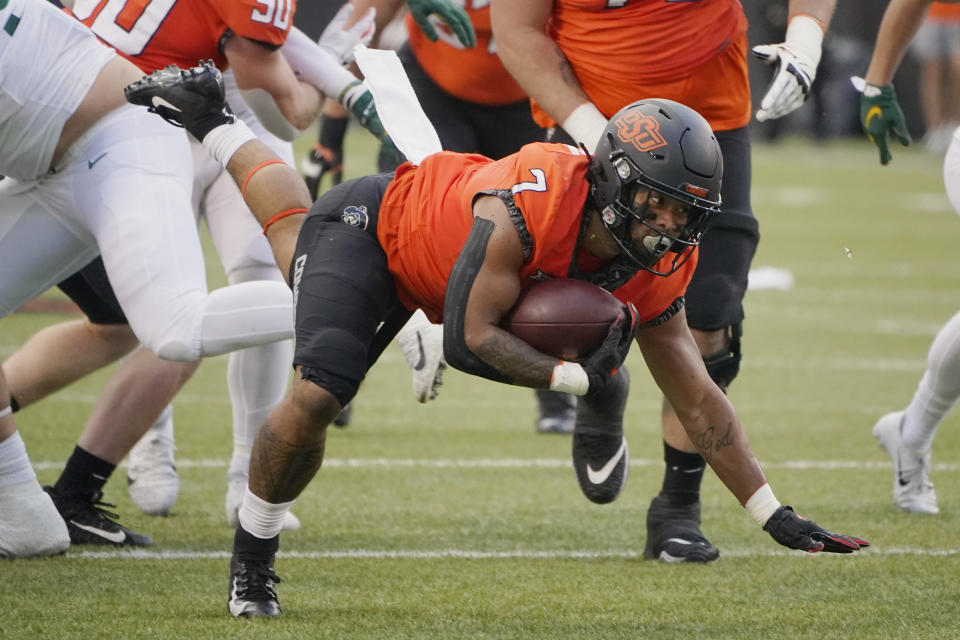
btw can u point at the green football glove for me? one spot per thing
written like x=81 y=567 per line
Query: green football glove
x=455 y=17
x=881 y=116
x=359 y=101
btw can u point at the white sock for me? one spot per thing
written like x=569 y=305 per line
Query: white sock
x=261 y=518
x=245 y=314
x=15 y=466
x=938 y=390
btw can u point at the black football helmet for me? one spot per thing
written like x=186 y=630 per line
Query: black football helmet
x=659 y=145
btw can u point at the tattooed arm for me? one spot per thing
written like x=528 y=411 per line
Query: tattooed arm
x=483 y=285
x=708 y=417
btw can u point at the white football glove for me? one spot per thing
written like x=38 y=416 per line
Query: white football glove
x=340 y=42
x=795 y=62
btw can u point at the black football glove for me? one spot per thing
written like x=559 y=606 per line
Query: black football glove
x=190 y=98
x=796 y=532
x=326 y=157
x=603 y=363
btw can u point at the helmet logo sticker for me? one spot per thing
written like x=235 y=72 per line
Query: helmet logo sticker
x=640 y=130
x=355 y=216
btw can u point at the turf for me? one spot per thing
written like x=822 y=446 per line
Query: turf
x=455 y=520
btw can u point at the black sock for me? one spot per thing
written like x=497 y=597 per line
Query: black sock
x=247 y=544
x=84 y=472
x=682 y=476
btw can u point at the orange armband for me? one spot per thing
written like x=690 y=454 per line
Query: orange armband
x=281 y=216
x=266 y=163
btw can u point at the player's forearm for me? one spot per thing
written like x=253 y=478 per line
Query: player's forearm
x=821 y=10
x=715 y=431
x=900 y=23
x=533 y=59
x=301 y=105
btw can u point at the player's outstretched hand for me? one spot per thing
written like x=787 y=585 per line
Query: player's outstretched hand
x=881 y=117
x=796 y=532
x=455 y=17
x=603 y=363
x=190 y=98
x=795 y=63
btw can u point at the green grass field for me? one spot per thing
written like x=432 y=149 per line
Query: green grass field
x=455 y=520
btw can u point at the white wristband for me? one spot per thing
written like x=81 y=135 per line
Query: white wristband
x=223 y=141
x=6 y=412
x=762 y=504
x=569 y=377
x=805 y=37
x=586 y=124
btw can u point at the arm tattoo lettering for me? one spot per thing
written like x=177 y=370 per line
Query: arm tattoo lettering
x=711 y=441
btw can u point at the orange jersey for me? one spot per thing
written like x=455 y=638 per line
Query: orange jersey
x=155 y=33
x=426 y=216
x=626 y=50
x=944 y=12
x=473 y=75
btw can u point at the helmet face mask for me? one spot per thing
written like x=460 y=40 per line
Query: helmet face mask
x=654 y=148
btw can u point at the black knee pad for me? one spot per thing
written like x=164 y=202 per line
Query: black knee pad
x=724 y=366
x=350 y=355
x=714 y=297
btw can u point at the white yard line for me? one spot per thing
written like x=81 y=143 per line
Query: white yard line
x=524 y=463
x=471 y=554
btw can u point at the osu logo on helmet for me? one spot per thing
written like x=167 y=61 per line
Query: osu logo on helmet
x=640 y=130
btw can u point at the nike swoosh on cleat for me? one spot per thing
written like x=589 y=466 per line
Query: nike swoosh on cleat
x=422 y=362
x=116 y=537
x=157 y=101
x=599 y=477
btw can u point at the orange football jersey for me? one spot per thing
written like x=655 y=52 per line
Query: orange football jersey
x=944 y=12
x=155 y=33
x=475 y=74
x=626 y=50
x=426 y=216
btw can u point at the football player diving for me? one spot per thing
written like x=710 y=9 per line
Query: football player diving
x=460 y=236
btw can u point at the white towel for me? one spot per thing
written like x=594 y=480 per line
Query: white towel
x=397 y=105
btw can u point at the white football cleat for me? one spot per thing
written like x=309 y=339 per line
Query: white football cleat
x=152 y=480
x=30 y=524
x=422 y=346
x=912 y=489
x=236 y=487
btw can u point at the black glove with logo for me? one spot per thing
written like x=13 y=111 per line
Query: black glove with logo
x=796 y=532
x=603 y=363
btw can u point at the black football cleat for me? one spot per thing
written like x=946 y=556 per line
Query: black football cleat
x=673 y=533
x=191 y=98
x=88 y=522
x=601 y=460
x=253 y=588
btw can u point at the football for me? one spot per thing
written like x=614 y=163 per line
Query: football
x=563 y=318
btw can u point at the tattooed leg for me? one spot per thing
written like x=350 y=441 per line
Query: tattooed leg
x=289 y=447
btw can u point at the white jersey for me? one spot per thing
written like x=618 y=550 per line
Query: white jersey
x=41 y=87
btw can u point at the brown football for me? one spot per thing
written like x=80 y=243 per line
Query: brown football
x=563 y=318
